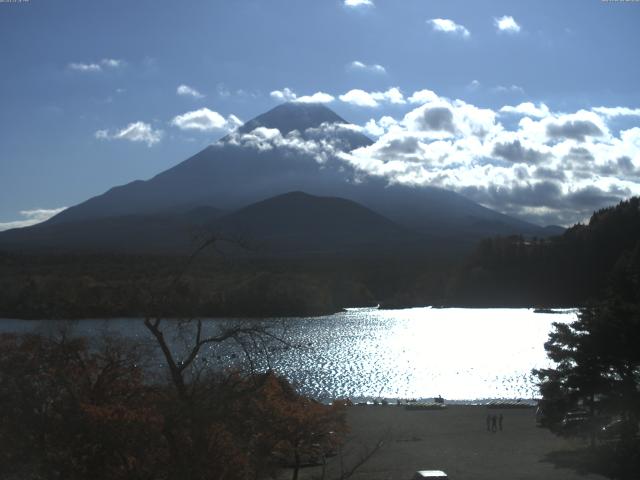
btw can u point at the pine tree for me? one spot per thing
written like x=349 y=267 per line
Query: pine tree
x=597 y=365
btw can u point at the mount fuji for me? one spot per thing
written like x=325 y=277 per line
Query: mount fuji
x=291 y=148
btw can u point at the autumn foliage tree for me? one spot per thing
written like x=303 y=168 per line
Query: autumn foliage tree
x=297 y=429
x=69 y=412
x=75 y=411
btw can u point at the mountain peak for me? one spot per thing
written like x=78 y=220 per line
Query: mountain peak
x=293 y=116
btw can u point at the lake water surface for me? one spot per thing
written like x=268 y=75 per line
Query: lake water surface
x=461 y=354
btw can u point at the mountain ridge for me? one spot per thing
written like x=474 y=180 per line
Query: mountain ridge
x=288 y=117
x=291 y=223
x=297 y=221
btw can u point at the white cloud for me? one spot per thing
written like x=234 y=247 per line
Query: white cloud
x=318 y=97
x=288 y=95
x=225 y=92
x=576 y=126
x=527 y=109
x=187 y=91
x=108 y=63
x=134 y=132
x=392 y=95
x=31 y=217
x=473 y=85
x=317 y=143
x=284 y=95
x=611 y=112
x=359 y=97
x=439 y=117
x=448 y=26
x=506 y=24
x=508 y=89
x=423 y=96
x=85 y=67
x=373 y=68
x=111 y=63
x=261 y=138
x=362 y=98
x=565 y=128
x=206 y=120
x=379 y=127
x=358 y=3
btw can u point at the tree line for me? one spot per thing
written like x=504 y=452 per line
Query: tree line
x=567 y=270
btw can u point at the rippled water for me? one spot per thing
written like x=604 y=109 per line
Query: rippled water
x=461 y=354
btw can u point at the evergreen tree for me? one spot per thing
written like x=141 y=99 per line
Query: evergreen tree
x=597 y=365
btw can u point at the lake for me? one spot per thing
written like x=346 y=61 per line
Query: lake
x=364 y=354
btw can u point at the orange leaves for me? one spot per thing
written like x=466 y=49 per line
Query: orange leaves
x=296 y=426
x=75 y=410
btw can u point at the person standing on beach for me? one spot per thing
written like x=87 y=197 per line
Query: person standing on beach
x=494 y=423
x=488 y=422
x=500 y=422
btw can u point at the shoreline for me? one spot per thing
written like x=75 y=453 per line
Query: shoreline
x=555 y=310
x=425 y=402
x=454 y=439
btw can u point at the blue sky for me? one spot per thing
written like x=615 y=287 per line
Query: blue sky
x=96 y=94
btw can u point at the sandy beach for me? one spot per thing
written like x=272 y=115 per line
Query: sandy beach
x=455 y=440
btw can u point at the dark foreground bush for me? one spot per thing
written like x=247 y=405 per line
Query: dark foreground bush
x=615 y=460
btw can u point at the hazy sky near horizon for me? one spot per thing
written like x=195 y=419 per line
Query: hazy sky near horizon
x=499 y=100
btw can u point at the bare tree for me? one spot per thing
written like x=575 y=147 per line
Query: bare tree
x=245 y=334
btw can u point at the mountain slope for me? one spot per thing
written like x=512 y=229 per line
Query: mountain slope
x=298 y=222
x=156 y=233
x=293 y=223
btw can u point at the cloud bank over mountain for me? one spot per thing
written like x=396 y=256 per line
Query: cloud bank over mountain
x=525 y=160
x=552 y=167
